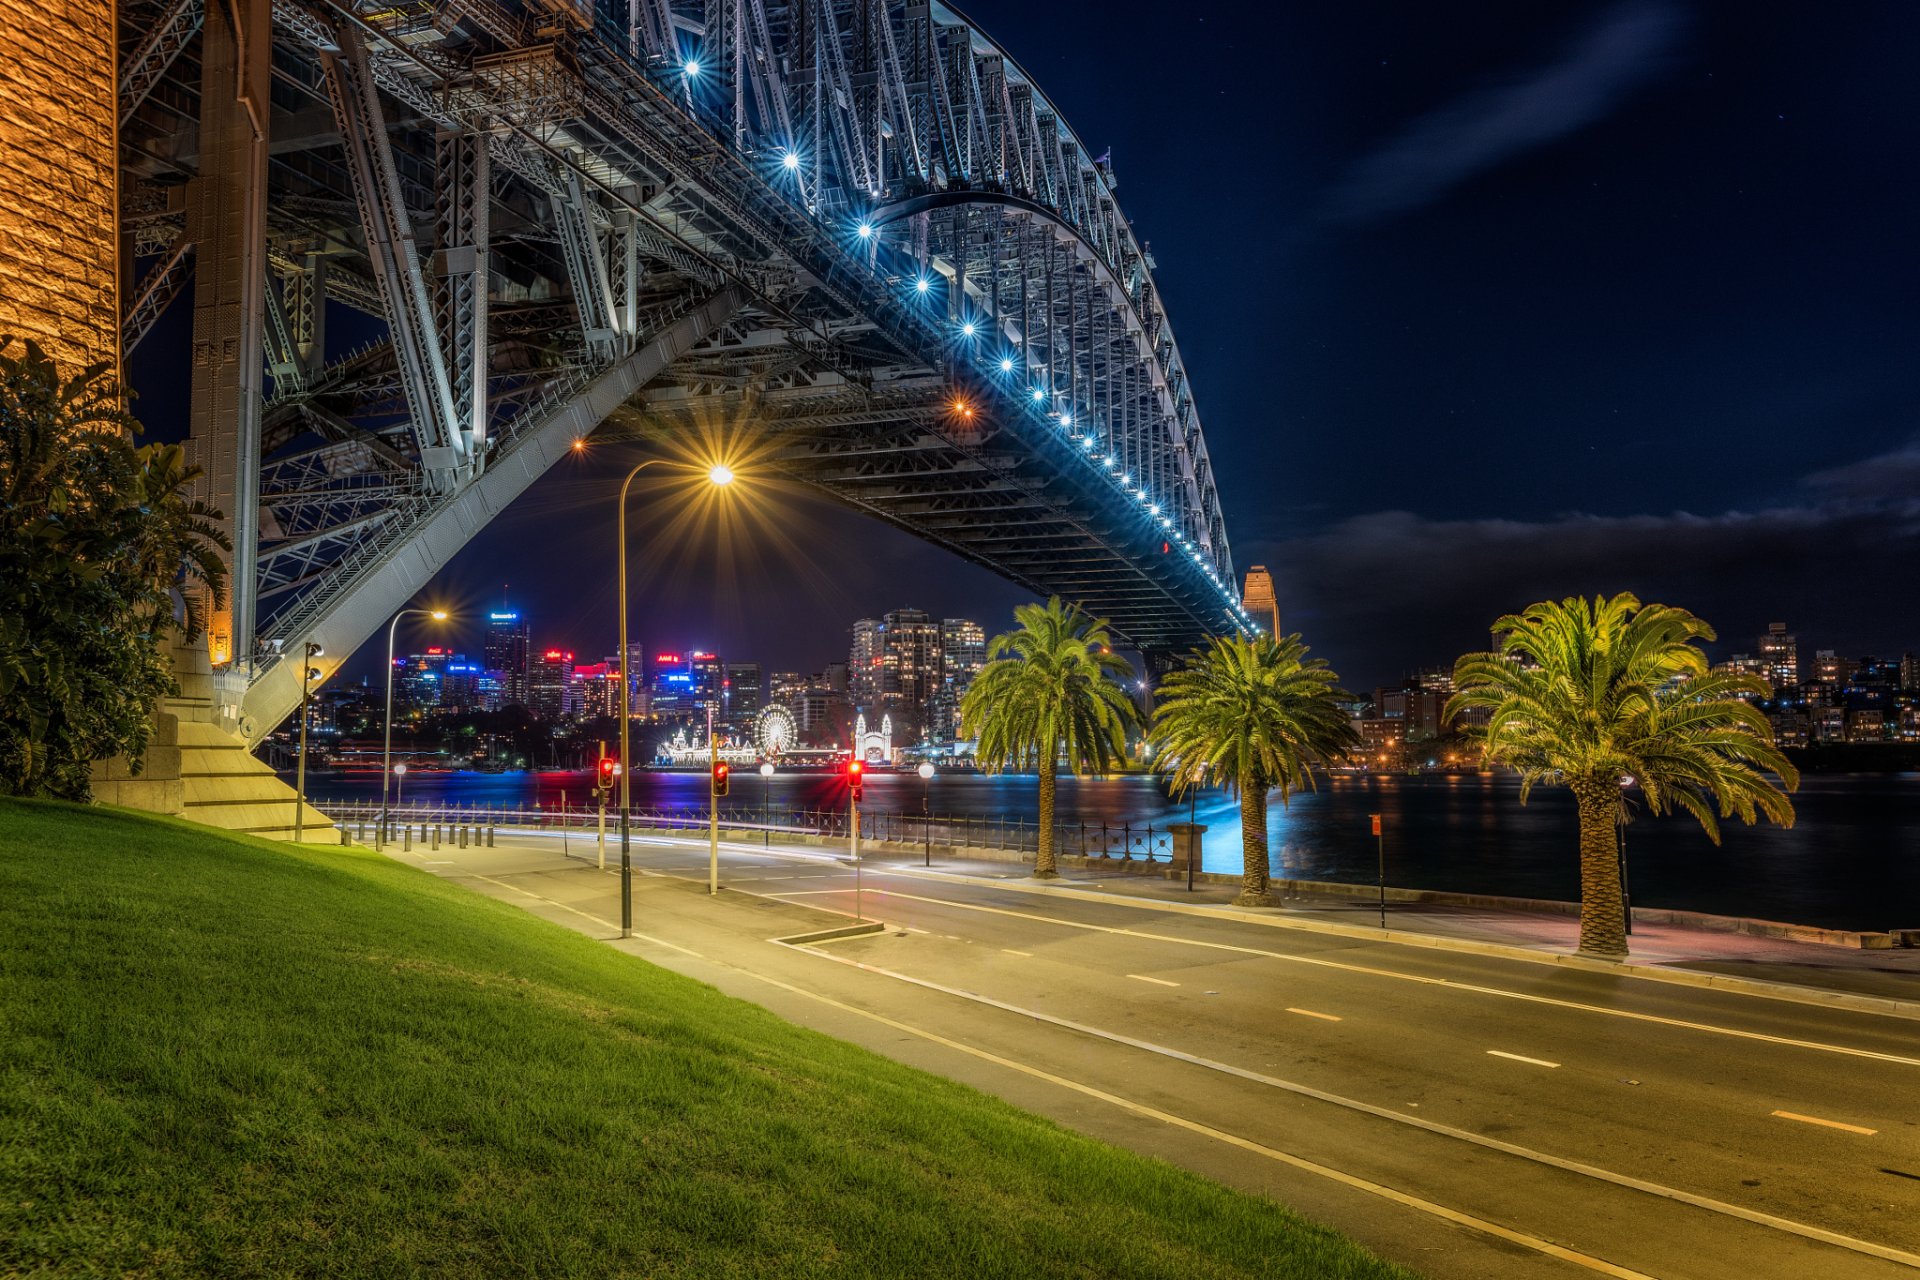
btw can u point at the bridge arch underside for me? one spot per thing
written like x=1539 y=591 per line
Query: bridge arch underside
x=861 y=229
x=1039 y=441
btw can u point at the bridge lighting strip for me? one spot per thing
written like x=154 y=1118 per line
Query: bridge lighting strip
x=968 y=329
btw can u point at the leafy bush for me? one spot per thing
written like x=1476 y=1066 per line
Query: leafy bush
x=95 y=536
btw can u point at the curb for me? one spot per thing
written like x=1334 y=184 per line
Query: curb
x=1757 y=987
x=827 y=935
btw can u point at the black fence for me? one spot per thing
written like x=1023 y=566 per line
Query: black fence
x=429 y=822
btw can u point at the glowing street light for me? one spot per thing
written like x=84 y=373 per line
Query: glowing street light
x=864 y=231
x=721 y=475
x=926 y=810
x=691 y=66
x=922 y=284
x=790 y=161
x=1006 y=364
x=386 y=743
x=766 y=788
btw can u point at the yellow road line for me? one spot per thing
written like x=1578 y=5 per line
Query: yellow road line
x=1519 y=1057
x=1420 y=979
x=1831 y=1124
x=1755 y=1216
x=1308 y=1013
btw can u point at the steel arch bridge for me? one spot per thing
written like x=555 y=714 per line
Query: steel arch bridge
x=857 y=224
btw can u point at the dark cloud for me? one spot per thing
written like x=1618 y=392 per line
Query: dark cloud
x=1379 y=594
x=1630 y=45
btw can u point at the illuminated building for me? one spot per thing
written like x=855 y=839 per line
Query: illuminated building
x=912 y=648
x=1258 y=599
x=549 y=684
x=1779 y=655
x=508 y=643
x=745 y=692
x=460 y=685
x=865 y=665
x=685 y=685
x=963 y=652
x=596 y=689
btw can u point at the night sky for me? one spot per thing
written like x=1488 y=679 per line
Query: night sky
x=1482 y=303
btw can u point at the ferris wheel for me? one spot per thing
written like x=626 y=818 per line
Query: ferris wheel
x=775 y=732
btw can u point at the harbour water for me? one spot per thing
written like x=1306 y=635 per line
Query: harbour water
x=1851 y=860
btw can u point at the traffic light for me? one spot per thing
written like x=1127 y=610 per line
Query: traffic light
x=722 y=774
x=856 y=774
x=605 y=774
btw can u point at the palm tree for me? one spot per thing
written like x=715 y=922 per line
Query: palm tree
x=1051 y=690
x=180 y=545
x=1257 y=714
x=1596 y=695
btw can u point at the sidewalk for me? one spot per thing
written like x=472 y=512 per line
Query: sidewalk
x=1890 y=975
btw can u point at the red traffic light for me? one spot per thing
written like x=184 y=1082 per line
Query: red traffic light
x=606 y=771
x=722 y=775
x=856 y=774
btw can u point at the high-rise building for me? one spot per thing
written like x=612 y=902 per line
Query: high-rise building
x=1258 y=599
x=1910 y=672
x=745 y=694
x=963 y=652
x=418 y=678
x=508 y=645
x=1779 y=654
x=709 y=682
x=783 y=686
x=460 y=685
x=866 y=665
x=596 y=689
x=912 y=671
x=669 y=687
x=549 y=679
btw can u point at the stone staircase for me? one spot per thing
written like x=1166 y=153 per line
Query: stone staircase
x=201 y=772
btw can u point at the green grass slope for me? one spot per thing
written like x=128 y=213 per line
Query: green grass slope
x=224 y=1057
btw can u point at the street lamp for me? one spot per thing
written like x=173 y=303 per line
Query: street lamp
x=718 y=474
x=386 y=744
x=766 y=789
x=399 y=779
x=308 y=674
x=926 y=810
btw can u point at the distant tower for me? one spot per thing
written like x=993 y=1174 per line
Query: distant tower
x=1259 y=600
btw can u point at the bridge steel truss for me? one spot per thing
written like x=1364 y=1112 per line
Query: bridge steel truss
x=857 y=226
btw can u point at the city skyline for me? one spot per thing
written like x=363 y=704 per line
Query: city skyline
x=1710 y=422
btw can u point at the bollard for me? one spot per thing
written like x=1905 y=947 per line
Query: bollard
x=406 y=838
x=489 y=837
x=463 y=837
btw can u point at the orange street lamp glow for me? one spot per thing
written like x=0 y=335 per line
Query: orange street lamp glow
x=720 y=473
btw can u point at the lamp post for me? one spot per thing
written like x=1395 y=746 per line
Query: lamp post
x=1626 y=899
x=766 y=800
x=720 y=475
x=386 y=743
x=926 y=807
x=308 y=675
x=399 y=780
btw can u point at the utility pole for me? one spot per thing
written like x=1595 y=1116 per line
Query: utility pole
x=1382 y=840
x=715 y=789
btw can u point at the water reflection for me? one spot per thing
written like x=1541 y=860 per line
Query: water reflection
x=1851 y=861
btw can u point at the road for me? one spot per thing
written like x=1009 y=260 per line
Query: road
x=1465 y=1115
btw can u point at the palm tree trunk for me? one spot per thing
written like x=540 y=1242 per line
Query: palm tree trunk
x=1043 y=861
x=1253 y=847
x=1603 y=929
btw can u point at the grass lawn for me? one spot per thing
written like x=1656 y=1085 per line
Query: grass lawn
x=220 y=1056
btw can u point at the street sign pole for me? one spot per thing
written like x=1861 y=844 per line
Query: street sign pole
x=1382 y=841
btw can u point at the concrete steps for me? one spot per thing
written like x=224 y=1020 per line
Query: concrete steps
x=197 y=770
x=225 y=785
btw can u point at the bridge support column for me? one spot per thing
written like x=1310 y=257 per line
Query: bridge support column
x=226 y=219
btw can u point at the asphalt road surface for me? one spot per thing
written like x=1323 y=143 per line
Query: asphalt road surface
x=1463 y=1115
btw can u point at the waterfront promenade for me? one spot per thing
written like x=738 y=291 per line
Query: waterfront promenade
x=1451 y=1093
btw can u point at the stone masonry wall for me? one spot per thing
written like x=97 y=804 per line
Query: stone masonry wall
x=58 y=108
